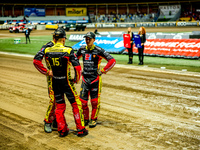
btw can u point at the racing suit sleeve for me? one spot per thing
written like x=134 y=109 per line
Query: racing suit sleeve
x=37 y=61
x=111 y=61
x=77 y=67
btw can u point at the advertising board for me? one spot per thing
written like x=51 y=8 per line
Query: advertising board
x=184 y=48
x=90 y=25
x=110 y=44
x=76 y=37
x=125 y=25
x=34 y=12
x=181 y=24
x=146 y=24
x=166 y=24
x=76 y=11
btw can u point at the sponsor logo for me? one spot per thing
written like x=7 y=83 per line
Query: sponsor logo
x=88 y=34
x=109 y=44
x=187 y=24
x=119 y=44
x=109 y=25
x=136 y=37
x=88 y=56
x=76 y=37
x=90 y=25
x=76 y=11
x=172 y=24
x=95 y=89
x=122 y=25
x=100 y=41
x=173 y=44
x=126 y=36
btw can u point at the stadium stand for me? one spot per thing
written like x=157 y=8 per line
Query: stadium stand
x=137 y=11
x=125 y=18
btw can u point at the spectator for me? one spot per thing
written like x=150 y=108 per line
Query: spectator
x=130 y=50
x=142 y=34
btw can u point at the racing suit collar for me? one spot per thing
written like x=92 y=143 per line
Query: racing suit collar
x=91 y=48
x=60 y=44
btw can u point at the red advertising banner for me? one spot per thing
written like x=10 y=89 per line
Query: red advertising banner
x=187 y=48
x=127 y=40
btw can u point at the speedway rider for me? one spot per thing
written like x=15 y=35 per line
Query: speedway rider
x=59 y=59
x=91 y=76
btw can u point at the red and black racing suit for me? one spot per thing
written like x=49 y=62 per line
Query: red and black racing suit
x=59 y=59
x=50 y=114
x=91 y=80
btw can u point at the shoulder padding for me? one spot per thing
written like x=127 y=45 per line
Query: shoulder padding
x=82 y=47
x=99 y=48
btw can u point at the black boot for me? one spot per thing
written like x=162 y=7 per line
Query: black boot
x=130 y=60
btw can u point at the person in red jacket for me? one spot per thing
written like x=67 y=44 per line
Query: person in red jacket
x=91 y=76
x=59 y=59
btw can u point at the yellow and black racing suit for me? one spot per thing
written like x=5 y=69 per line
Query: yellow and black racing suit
x=59 y=59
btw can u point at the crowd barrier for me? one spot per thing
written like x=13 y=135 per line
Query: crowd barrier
x=120 y=25
x=144 y=24
x=158 y=35
x=179 y=48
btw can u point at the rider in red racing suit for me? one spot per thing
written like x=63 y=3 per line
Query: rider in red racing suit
x=59 y=59
x=91 y=76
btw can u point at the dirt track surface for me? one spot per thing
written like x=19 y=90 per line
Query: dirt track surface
x=140 y=109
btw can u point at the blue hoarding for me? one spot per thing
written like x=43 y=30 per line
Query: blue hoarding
x=110 y=44
x=34 y=12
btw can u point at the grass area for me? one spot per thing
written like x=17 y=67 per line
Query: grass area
x=7 y=45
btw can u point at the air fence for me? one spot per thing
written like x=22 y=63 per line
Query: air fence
x=176 y=45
